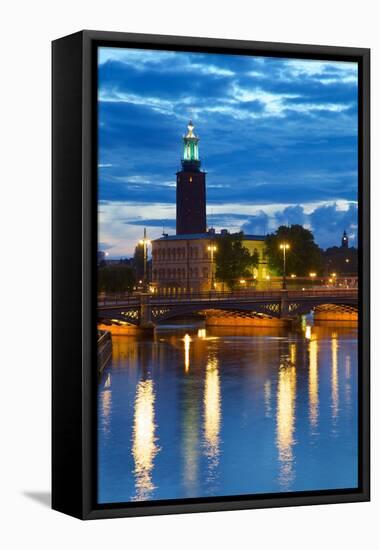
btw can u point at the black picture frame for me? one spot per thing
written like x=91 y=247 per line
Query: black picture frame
x=74 y=205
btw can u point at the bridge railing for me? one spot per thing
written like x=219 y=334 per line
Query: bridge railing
x=216 y=296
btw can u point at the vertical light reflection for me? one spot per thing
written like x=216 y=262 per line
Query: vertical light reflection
x=187 y=342
x=144 y=440
x=308 y=332
x=334 y=378
x=347 y=380
x=286 y=403
x=293 y=353
x=212 y=413
x=107 y=383
x=267 y=398
x=106 y=407
x=313 y=383
x=190 y=448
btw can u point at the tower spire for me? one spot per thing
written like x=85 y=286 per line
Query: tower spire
x=190 y=160
x=345 y=240
x=190 y=188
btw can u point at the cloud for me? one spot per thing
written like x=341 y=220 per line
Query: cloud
x=161 y=223
x=328 y=223
x=326 y=72
x=257 y=224
x=291 y=215
x=275 y=133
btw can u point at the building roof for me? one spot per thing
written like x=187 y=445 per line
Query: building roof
x=198 y=236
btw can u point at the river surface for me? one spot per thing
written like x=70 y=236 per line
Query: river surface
x=199 y=412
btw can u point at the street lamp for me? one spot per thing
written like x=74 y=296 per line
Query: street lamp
x=284 y=247
x=312 y=275
x=145 y=243
x=212 y=248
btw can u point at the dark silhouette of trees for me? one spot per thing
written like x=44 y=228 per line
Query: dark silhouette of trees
x=340 y=260
x=116 y=278
x=233 y=260
x=303 y=256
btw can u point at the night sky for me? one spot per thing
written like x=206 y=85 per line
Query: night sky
x=278 y=140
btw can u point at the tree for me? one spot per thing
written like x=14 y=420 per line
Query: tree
x=233 y=260
x=343 y=261
x=303 y=256
x=116 y=278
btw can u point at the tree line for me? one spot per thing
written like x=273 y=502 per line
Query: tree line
x=234 y=261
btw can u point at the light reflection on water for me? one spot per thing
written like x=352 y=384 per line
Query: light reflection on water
x=212 y=415
x=313 y=384
x=285 y=418
x=144 y=440
x=204 y=412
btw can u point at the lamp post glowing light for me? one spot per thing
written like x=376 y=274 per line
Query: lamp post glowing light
x=145 y=243
x=212 y=248
x=284 y=247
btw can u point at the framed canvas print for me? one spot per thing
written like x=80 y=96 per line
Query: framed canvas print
x=210 y=274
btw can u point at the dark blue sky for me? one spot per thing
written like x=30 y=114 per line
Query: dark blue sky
x=278 y=139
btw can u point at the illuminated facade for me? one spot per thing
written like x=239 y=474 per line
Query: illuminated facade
x=184 y=262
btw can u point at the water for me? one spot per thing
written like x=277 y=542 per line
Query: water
x=197 y=412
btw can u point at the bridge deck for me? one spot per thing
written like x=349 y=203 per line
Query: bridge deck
x=147 y=308
x=243 y=296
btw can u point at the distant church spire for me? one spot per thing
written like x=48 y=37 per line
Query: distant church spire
x=345 y=240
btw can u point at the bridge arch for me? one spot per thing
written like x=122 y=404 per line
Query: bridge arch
x=277 y=304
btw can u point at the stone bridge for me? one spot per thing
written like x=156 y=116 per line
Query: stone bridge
x=147 y=309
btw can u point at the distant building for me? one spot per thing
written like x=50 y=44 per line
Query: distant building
x=344 y=240
x=184 y=262
x=343 y=259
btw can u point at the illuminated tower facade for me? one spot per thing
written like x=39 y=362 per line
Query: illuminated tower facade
x=190 y=189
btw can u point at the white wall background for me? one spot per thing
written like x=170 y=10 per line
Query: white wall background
x=26 y=31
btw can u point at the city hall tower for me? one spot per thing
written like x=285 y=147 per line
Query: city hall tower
x=190 y=189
